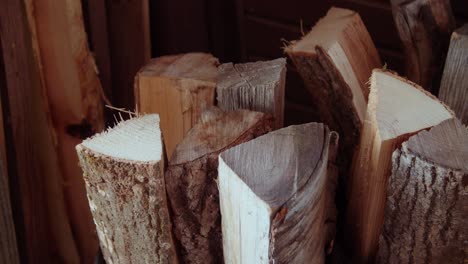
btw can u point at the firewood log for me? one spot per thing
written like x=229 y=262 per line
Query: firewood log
x=191 y=179
x=256 y=86
x=397 y=109
x=276 y=196
x=427 y=198
x=124 y=174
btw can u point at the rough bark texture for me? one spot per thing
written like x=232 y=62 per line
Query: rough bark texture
x=191 y=181
x=426 y=210
x=424 y=27
x=257 y=86
x=454 y=85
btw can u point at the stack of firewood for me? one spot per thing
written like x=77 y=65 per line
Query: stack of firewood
x=204 y=172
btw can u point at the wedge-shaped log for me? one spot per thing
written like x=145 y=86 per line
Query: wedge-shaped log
x=276 y=196
x=426 y=208
x=124 y=174
x=178 y=88
x=256 y=86
x=335 y=60
x=424 y=27
x=454 y=86
x=191 y=179
x=397 y=109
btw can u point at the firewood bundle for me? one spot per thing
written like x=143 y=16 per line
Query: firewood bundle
x=206 y=172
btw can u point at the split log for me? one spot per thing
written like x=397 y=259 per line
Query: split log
x=191 y=180
x=426 y=209
x=335 y=60
x=397 y=109
x=178 y=88
x=454 y=85
x=124 y=173
x=424 y=27
x=276 y=196
x=256 y=86
x=74 y=94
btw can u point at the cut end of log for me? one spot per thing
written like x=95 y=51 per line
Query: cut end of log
x=401 y=107
x=257 y=86
x=195 y=66
x=137 y=139
x=274 y=197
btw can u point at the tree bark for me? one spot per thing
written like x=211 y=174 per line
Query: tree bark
x=426 y=206
x=454 y=85
x=191 y=180
x=424 y=27
x=257 y=86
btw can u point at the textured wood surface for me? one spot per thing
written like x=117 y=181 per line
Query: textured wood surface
x=426 y=208
x=276 y=194
x=424 y=27
x=335 y=60
x=178 y=88
x=191 y=179
x=397 y=109
x=74 y=93
x=124 y=174
x=454 y=85
x=257 y=86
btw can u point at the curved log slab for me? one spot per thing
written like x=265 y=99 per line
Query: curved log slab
x=191 y=180
x=124 y=174
x=178 y=88
x=454 y=85
x=257 y=86
x=276 y=196
x=335 y=60
x=424 y=27
x=397 y=109
x=426 y=209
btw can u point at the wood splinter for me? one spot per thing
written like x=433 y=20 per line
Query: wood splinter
x=191 y=179
x=276 y=196
x=124 y=174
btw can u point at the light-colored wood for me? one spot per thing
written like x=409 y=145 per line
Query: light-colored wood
x=74 y=92
x=335 y=60
x=397 y=109
x=257 y=86
x=124 y=174
x=191 y=179
x=178 y=88
x=454 y=86
x=275 y=196
x=424 y=27
x=426 y=209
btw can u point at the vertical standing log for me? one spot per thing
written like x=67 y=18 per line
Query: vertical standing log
x=178 y=88
x=396 y=110
x=424 y=27
x=275 y=196
x=454 y=85
x=191 y=180
x=257 y=86
x=426 y=209
x=335 y=60
x=124 y=173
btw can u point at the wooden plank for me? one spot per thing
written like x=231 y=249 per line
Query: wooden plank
x=124 y=174
x=130 y=46
x=178 y=88
x=36 y=176
x=192 y=175
x=397 y=109
x=425 y=213
x=424 y=27
x=277 y=196
x=454 y=85
x=256 y=86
